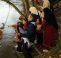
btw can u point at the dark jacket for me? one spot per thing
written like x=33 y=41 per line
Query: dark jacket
x=30 y=32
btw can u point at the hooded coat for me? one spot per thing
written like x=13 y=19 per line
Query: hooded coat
x=50 y=26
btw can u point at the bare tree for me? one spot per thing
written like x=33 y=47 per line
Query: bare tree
x=26 y=6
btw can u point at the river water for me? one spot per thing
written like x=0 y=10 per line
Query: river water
x=9 y=16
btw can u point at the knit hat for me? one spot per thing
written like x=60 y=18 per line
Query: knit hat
x=33 y=10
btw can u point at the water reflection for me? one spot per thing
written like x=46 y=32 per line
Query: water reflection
x=9 y=16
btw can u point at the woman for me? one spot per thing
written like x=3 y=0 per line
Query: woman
x=50 y=29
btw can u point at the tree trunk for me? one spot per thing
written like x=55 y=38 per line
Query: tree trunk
x=26 y=6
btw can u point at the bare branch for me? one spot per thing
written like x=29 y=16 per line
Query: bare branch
x=14 y=7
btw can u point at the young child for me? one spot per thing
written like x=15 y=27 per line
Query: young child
x=18 y=37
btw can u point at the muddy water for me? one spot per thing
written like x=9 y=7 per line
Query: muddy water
x=6 y=44
x=9 y=16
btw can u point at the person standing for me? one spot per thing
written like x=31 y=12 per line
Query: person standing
x=50 y=26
